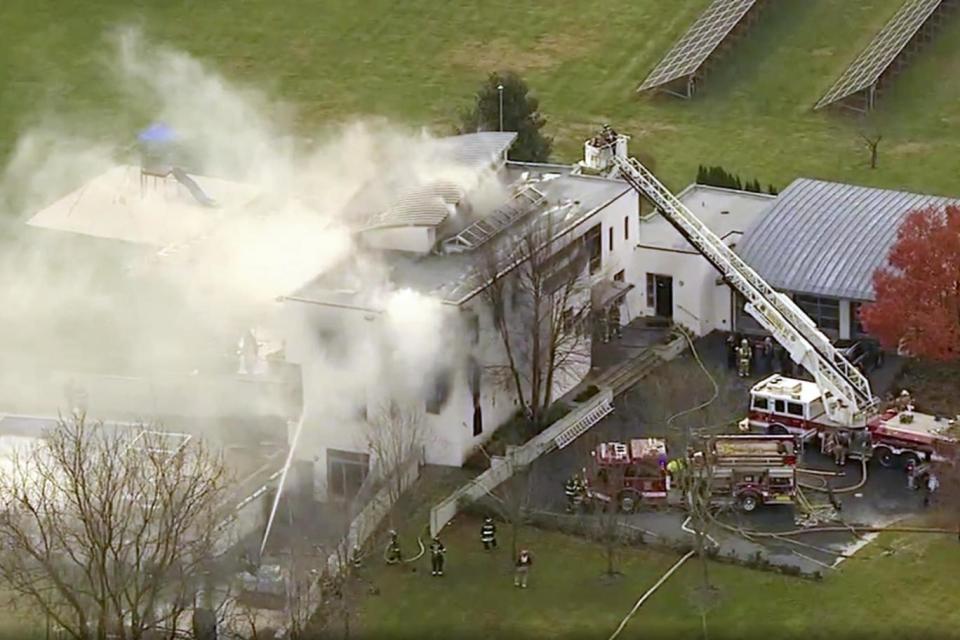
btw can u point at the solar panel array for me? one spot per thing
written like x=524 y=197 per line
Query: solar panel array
x=700 y=40
x=882 y=50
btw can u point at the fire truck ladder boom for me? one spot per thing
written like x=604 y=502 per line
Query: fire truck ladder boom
x=846 y=392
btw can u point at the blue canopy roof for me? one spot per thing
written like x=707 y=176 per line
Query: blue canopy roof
x=157 y=132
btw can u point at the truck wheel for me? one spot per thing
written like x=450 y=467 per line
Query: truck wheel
x=908 y=457
x=777 y=430
x=748 y=502
x=628 y=501
x=885 y=457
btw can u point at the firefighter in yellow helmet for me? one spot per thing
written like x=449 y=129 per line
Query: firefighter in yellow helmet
x=744 y=356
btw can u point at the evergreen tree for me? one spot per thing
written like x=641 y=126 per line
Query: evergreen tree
x=520 y=114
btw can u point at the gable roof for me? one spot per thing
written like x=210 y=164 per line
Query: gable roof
x=827 y=238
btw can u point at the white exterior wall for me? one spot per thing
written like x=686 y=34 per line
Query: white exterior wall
x=623 y=256
x=413 y=239
x=699 y=303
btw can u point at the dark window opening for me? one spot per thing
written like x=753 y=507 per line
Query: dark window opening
x=594 y=245
x=856 y=326
x=795 y=409
x=626 y=227
x=761 y=403
x=610 y=235
x=619 y=276
x=778 y=406
x=477 y=420
x=439 y=392
x=346 y=472
x=651 y=290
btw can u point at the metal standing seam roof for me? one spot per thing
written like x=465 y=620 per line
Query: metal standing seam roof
x=867 y=68
x=425 y=206
x=476 y=149
x=827 y=238
x=700 y=40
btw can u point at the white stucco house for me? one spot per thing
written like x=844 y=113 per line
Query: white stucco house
x=436 y=241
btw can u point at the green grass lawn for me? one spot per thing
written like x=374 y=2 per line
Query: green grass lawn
x=419 y=61
x=910 y=592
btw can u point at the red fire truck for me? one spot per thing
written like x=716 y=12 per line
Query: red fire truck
x=747 y=470
x=780 y=405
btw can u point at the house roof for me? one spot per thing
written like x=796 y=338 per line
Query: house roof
x=456 y=277
x=425 y=206
x=827 y=238
x=476 y=150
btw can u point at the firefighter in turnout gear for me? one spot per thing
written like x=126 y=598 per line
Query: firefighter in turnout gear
x=393 y=548
x=744 y=356
x=437 y=551
x=488 y=534
x=572 y=491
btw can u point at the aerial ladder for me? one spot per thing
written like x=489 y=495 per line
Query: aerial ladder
x=846 y=393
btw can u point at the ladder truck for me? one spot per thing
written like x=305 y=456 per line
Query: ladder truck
x=839 y=400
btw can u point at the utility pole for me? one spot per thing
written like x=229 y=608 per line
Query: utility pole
x=500 y=89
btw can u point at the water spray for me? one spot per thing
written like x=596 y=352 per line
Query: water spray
x=283 y=478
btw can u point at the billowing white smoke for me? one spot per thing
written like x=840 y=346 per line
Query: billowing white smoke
x=68 y=305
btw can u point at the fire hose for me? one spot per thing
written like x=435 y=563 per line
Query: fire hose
x=388 y=560
x=825 y=489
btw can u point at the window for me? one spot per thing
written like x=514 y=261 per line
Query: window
x=651 y=290
x=346 y=472
x=619 y=276
x=761 y=404
x=626 y=227
x=473 y=328
x=477 y=420
x=778 y=406
x=856 y=327
x=594 y=244
x=825 y=312
x=439 y=392
x=795 y=409
x=610 y=235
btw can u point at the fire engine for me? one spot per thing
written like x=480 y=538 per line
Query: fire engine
x=746 y=470
x=839 y=399
x=783 y=405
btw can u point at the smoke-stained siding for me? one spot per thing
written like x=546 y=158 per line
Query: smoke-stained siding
x=827 y=238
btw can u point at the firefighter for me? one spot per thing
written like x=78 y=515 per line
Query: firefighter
x=393 y=548
x=523 y=564
x=744 y=355
x=904 y=401
x=437 y=551
x=488 y=534
x=731 y=351
x=572 y=490
x=933 y=483
x=911 y=475
x=841 y=444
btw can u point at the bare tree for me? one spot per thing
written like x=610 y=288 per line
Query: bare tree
x=396 y=435
x=512 y=501
x=538 y=297
x=698 y=479
x=108 y=531
x=871 y=137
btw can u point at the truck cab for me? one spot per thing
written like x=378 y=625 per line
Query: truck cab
x=781 y=405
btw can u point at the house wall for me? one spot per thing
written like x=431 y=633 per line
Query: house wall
x=413 y=239
x=699 y=303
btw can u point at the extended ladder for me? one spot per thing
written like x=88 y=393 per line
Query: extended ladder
x=846 y=392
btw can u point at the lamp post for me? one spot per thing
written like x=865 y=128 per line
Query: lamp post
x=500 y=90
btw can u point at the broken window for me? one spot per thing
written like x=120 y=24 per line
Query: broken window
x=346 y=471
x=439 y=391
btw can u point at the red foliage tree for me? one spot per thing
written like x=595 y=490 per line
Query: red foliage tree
x=917 y=303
